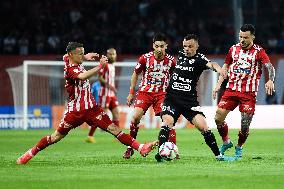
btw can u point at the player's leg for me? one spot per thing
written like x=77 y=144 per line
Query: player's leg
x=167 y=125
x=103 y=102
x=138 y=113
x=200 y=123
x=243 y=133
x=113 y=106
x=227 y=103
x=170 y=114
x=126 y=139
x=90 y=138
x=68 y=122
x=247 y=108
x=223 y=129
x=99 y=117
x=42 y=144
x=157 y=106
x=142 y=103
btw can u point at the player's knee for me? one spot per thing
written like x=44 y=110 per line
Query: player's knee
x=56 y=136
x=218 y=119
x=136 y=119
x=113 y=129
x=168 y=120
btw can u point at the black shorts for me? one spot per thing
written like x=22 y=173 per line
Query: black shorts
x=176 y=106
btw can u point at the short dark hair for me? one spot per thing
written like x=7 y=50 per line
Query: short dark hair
x=248 y=27
x=159 y=37
x=191 y=36
x=72 y=46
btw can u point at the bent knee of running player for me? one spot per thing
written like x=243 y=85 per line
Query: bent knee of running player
x=168 y=120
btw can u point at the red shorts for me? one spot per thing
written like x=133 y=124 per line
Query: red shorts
x=144 y=100
x=93 y=116
x=231 y=99
x=108 y=102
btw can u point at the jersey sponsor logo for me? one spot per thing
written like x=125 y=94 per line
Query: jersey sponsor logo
x=169 y=109
x=177 y=77
x=157 y=75
x=242 y=70
x=153 y=82
x=185 y=68
x=181 y=86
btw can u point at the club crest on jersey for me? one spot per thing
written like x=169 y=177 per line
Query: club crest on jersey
x=138 y=66
x=76 y=71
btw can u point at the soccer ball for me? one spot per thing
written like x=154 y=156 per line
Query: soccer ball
x=168 y=151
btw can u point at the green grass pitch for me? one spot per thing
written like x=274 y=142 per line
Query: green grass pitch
x=72 y=163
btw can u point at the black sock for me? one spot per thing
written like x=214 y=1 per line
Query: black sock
x=211 y=142
x=164 y=134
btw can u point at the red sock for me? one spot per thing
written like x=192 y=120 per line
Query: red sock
x=224 y=131
x=242 y=138
x=128 y=140
x=92 y=131
x=116 y=122
x=172 y=136
x=42 y=144
x=133 y=130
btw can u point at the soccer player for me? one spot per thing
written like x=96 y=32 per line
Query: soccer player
x=155 y=67
x=81 y=106
x=243 y=63
x=181 y=97
x=107 y=94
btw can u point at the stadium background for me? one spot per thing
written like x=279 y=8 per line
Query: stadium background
x=40 y=30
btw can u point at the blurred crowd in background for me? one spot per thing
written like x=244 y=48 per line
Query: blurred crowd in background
x=35 y=27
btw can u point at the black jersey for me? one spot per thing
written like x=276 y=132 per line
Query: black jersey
x=186 y=75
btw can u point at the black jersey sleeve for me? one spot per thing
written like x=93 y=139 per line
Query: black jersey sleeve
x=203 y=61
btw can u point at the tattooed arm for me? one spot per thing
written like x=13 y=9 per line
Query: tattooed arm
x=269 y=86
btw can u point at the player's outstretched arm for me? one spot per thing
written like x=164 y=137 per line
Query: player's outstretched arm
x=269 y=86
x=216 y=68
x=133 y=83
x=93 y=71
x=220 y=81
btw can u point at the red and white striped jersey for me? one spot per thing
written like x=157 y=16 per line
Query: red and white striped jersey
x=80 y=95
x=156 y=73
x=245 y=67
x=108 y=74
